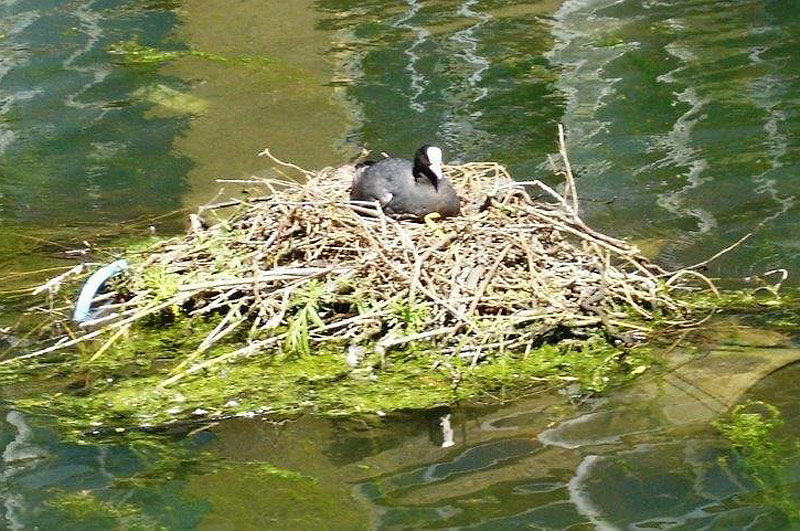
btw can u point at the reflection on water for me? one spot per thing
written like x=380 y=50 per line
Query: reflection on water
x=74 y=142
x=287 y=105
x=467 y=76
x=48 y=484
x=644 y=457
x=684 y=112
x=418 y=83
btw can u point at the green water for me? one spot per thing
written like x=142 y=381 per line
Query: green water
x=683 y=125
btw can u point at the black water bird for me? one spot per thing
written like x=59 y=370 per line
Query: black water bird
x=407 y=189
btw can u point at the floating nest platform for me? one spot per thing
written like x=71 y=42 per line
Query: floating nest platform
x=302 y=266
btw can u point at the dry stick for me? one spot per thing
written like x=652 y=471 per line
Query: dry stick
x=538 y=285
x=17 y=274
x=455 y=270
x=29 y=333
x=259 y=345
x=405 y=239
x=54 y=283
x=252 y=347
x=393 y=342
x=573 y=218
x=381 y=247
x=277 y=318
x=684 y=272
x=107 y=318
x=618 y=246
x=278 y=232
x=562 y=149
x=219 y=331
x=585 y=228
x=271 y=276
x=421 y=288
x=220 y=301
x=487 y=280
x=528 y=335
x=287 y=164
x=118 y=334
x=626 y=324
x=65 y=344
x=412 y=292
x=722 y=252
x=626 y=290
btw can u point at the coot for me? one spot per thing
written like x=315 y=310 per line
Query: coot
x=405 y=188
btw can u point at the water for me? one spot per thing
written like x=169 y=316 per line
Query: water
x=687 y=115
x=643 y=458
x=683 y=126
x=75 y=143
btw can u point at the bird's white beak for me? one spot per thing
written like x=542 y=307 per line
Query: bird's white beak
x=437 y=169
x=435 y=159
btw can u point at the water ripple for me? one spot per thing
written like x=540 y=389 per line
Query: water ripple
x=89 y=24
x=12 y=54
x=687 y=109
x=681 y=153
x=460 y=123
x=418 y=82
x=468 y=43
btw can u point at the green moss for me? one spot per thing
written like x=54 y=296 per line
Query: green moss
x=295 y=501
x=85 y=506
x=187 y=481
x=608 y=41
x=122 y=389
x=307 y=304
x=163 y=468
x=134 y=53
x=157 y=280
x=409 y=315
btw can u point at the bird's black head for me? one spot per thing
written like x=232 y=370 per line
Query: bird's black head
x=428 y=162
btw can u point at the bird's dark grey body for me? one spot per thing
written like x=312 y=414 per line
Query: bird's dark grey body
x=407 y=188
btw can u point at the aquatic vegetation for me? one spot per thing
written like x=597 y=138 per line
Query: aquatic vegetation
x=161 y=283
x=125 y=390
x=84 y=506
x=171 y=100
x=410 y=315
x=162 y=469
x=303 y=302
x=752 y=428
x=134 y=53
x=768 y=306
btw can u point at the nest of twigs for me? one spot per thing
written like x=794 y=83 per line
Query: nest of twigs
x=303 y=265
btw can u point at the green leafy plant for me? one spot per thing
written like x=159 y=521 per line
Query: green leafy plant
x=409 y=315
x=160 y=282
x=307 y=304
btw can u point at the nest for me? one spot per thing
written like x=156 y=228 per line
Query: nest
x=303 y=266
